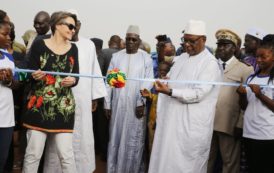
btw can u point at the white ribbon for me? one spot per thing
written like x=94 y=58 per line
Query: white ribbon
x=145 y=80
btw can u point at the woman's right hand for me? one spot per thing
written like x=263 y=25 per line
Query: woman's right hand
x=38 y=75
x=241 y=90
x=6 y=75
x=2 y=75
x=145 y=93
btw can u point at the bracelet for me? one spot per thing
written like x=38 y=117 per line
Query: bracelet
x=9 y=84
x=170 y=92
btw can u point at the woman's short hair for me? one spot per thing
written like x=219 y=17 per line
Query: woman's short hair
x=268 y=42
x=58 y=17
x=3 y=15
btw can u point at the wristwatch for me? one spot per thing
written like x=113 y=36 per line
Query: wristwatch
x=170 y=92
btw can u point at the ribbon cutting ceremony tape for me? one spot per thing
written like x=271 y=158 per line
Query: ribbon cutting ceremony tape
x=144 y=80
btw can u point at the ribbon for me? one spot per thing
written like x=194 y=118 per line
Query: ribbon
x=145 y=80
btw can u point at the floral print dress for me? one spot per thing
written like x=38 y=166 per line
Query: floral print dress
x=51 y=106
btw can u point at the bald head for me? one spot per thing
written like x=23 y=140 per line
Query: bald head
x=114 y=42
x=42 y=15
x=41 y=22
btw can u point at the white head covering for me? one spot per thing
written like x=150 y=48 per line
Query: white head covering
x=195 y=27
x=256 y=32
x=73 y=11
x=134 y=29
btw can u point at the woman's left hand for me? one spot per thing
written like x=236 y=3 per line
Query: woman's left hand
x=255 y=89
x=68 y=81
x=145 y=93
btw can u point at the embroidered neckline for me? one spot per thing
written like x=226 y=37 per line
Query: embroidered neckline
x=262 y=76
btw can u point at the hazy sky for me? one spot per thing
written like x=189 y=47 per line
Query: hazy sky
x=103 y=18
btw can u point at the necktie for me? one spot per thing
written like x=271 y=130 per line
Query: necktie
x=224 y=65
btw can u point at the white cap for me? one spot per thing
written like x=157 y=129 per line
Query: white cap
x=195 y=27
x=256 y=32
x=134 y=29
x=73 y=11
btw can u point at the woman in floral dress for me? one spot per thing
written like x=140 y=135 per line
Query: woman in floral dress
x=51 y=105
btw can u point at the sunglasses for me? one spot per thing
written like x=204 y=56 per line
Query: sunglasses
x=70 y=26
x=131 y=39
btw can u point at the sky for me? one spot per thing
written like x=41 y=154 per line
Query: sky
x=103 y=18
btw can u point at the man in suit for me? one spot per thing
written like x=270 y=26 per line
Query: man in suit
x=227 y=116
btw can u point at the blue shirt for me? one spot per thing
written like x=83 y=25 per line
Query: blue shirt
x=154 y=57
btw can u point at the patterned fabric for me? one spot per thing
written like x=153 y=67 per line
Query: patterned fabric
x=154 y=57
x=51 y=106
x=152 y=120
x=86 y=90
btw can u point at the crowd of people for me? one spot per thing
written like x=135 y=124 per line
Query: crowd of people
x=182 y=123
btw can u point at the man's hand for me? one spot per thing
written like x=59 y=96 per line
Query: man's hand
x=140 y=111
x=161 y=87
x=107 y=113
x=94 y=105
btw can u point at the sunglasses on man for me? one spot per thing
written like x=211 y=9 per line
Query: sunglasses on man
x=131 y=39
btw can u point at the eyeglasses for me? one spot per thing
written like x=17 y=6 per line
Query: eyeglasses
x=69 y=25
x=131 y=39
x=191 y=42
